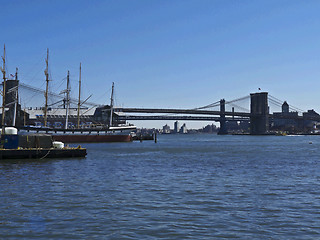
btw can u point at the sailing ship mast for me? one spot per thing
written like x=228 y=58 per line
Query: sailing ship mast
x=67 y=100
x=4 y=88
x=79 y=101
x=46 y=72
x=111 y=106
x=16 y=99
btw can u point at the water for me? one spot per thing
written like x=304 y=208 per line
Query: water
x=183 y=187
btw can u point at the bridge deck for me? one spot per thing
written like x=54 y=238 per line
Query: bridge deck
x=181 y=111
x=218 y=114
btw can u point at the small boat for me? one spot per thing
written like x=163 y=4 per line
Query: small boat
x=280 y=133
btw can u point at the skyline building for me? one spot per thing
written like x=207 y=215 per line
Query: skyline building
x=176 y=127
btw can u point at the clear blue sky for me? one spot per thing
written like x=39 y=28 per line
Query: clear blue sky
x=179 y=54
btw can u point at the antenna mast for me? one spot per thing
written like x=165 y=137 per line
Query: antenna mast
x=46 y=72
x=79 y=101
x=111 y=106
x=68 y=100
x=4 y=88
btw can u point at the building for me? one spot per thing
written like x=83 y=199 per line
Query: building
x=183 y=129
x=285 y=107
x=238 y=126
x=209 y=129
x=166 y=129
x=176 y=127
x=89 y=117
x=285 y=120
x=310 y=125
x=289 y=121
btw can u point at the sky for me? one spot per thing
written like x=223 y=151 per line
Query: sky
x=168 y=53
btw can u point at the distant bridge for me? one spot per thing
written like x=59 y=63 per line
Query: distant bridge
x=258 y=116
x=181 y=111
x=236 y=116
x=181 y=118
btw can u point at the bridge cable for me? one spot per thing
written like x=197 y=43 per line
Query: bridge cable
x=238 y=99
x=281 y=102
x=242 y=108
x=208 y=106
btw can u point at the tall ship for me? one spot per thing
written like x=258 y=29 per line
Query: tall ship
x=68 y=120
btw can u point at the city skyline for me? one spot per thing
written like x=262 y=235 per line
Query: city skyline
x=179 y=54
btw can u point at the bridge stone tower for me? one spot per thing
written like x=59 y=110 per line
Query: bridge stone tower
x=223 y=128
x=259 y=109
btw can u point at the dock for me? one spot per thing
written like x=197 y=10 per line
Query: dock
x=34 y=153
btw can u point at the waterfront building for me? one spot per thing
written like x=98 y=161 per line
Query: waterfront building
x=285 y=107
x=310 y=125
x=286 y=120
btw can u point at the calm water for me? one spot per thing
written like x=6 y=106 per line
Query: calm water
x=183 y=187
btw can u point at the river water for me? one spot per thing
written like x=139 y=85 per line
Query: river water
x=183 y=187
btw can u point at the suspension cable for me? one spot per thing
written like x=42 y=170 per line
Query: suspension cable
x=281 y=102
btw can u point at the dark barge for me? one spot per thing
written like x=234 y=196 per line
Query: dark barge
x=35 y=146
x=33 y=153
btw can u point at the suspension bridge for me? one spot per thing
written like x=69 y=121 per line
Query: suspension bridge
x=258 y=115
x=254 y=109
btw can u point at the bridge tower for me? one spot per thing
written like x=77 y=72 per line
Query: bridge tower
x=259 y=109
x=223 y=128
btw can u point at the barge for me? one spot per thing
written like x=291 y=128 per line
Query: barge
x=36 y=153
x=35 y=146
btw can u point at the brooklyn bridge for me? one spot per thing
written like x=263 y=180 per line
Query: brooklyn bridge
x=259 y=117
x=254 y=109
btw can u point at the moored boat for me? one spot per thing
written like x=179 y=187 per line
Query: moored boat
x=110 y=134
x=35 y=146
x=35 y=153
x=97 y=123
x=114 y=134
x=91 y=138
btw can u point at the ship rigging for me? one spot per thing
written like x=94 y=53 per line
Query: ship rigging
x=85 y=116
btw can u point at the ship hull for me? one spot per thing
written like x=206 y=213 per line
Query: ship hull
x=90 y=138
